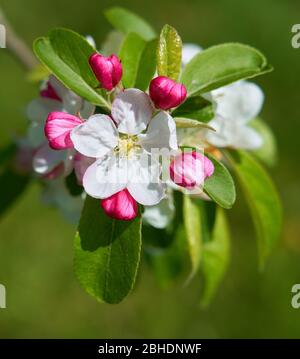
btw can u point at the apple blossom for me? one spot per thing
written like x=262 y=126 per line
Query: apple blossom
x=236 y=105
x=166 y=93
x=122 y=152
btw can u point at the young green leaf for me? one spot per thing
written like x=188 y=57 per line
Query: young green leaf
x=215 y=256
x=169 y=51
x=188 y=123
x=192 y=224
x=196 y=108
x=267 y=153
x=127 y=21
x=220 y=186
x=130 y=55
x=222 y=64
x=107 y=253
x=66 y=54
x=262 y=199
x=147 y=65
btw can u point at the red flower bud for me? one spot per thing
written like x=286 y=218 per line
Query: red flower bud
x=190 y=169
x=120 y=205
x=108 y=70
x=166 y=93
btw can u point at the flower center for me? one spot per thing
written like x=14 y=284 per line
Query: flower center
x=126 y=145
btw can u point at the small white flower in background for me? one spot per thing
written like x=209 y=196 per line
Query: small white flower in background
x=56 y=194
x=235 y=106
x=54 y=97
x=160 y=215
x=122 y=151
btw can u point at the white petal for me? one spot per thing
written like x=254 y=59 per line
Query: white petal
x=145 y=185
x=106 y=177
x=160 y=215
x=161 y=133
x=46 y=159
x=232 y=134
x=241 y=101
x=95 y=137
x=38 y=109
x=222 y=136
x=189 y=51
x=132 y=111
x=246 y=138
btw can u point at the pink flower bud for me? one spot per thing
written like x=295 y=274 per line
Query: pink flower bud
x=58 y=128
x=50 y=93
x=108 y=70
x=190 y=169
x=120 y=205
x=166 y=93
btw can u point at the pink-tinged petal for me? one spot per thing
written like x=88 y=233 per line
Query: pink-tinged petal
x=190 y=169
x=49 y=92
x=108 y=70
x=166 y=93
x=58 y=128
x=81 y=164
x=120 y=206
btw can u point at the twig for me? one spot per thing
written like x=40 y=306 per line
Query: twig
x=17 y=46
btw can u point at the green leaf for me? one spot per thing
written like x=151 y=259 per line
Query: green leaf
x=107 y=253
x=196 y=108
x=220 y=186
x=267 y=153
x=72 y=185
x=147 y=65
x=192 y=224
x=222 y=64
x=130 y=55
x=127 y=21
x=215 y=257
x=66 y=53
x=188 y=123
x=169 y=53
x=262 y=198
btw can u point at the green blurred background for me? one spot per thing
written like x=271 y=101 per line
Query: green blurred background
x=43 y=297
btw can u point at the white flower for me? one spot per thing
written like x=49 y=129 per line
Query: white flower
x=56 y=194
x=235 y=106
x=122 y=151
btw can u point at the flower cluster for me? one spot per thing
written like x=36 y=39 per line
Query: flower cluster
x=115 y=156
